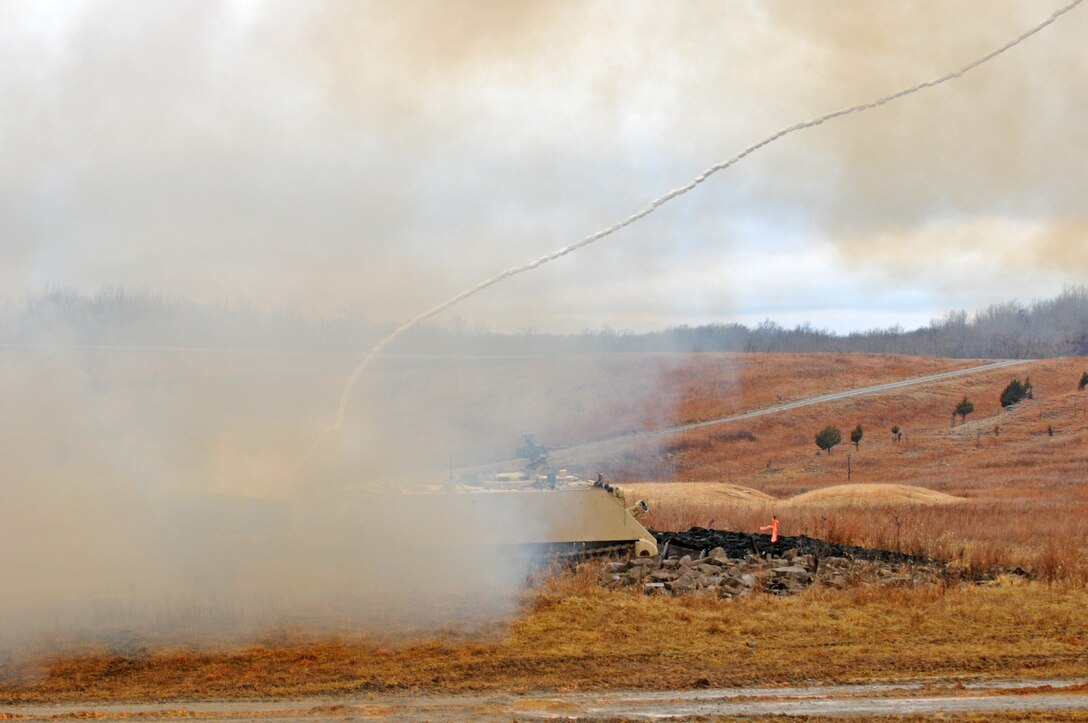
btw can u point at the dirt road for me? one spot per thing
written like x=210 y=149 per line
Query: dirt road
x=891 y=699
x=568 y=455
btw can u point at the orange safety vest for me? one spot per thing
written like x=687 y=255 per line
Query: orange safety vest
x=773 y=527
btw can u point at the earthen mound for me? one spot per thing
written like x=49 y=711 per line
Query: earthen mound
x=872 y=495
x=696 y=492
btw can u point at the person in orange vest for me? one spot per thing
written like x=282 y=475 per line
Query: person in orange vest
x=773 y=527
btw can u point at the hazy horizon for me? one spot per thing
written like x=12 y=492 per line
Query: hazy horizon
x=883 y=318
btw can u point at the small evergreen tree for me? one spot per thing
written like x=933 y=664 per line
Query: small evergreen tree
x=1014 y=392
x=896 y=434
x=1083 y=382
x=828 y=437
x=964 y=408
x=855 y=436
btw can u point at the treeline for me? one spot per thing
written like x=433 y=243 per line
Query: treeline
x=1047 y=328
x=140 y=317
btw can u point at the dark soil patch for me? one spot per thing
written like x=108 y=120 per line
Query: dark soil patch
x=739 y=544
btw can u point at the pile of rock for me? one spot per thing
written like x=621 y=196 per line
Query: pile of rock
x=787 y=574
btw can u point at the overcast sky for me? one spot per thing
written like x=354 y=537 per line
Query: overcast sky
x=381 y=156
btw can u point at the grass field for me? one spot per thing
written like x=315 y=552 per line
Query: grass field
x=1022 y=475
x=572 y=635
x=1021 y=472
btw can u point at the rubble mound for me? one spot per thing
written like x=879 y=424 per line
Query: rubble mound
x=738 y=545
x=734 y=564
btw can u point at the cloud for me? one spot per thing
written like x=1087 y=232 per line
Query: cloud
x=384 y=156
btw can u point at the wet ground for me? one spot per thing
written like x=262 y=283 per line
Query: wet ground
x=890 y=699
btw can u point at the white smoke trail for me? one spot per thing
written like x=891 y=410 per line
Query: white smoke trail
x=661 y=200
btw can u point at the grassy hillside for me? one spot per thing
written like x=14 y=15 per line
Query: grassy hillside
x=1021 y=470
x=1021 y=474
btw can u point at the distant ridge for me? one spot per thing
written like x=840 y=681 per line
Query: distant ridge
x=1055 y=327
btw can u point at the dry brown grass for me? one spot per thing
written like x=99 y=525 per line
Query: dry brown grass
x=1044 y=538
x=872 y=495
x=1027 y=500
x=1026 y=491
x=574 y=635
x=783 y=458
x=479 y=406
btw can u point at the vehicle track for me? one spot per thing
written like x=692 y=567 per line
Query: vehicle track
x=915 y=697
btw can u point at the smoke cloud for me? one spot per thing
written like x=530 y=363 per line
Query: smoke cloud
x=370 y=158
x=345 y=154
x=677 y=192
x=148 y=500
x=152 y=493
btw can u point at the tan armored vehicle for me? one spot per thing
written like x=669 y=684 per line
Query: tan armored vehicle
x=507 y=512
x=571 y=516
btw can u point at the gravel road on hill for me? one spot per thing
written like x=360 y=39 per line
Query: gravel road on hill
x=568 y=455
